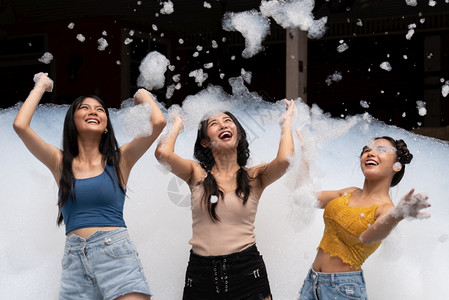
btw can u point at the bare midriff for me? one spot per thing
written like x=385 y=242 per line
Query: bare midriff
x=325 y=263
x=88 y=231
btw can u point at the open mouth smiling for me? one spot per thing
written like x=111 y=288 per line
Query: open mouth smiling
x=92 y=121
x=371 y=162
x=225 y=135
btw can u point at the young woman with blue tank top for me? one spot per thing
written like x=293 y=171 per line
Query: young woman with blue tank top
x=100 y=260
x=224 y=261
x=357 y=220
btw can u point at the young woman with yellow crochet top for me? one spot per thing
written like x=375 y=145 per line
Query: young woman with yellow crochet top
x=357 y=220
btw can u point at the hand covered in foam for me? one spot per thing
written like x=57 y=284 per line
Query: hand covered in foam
x=43 y=81
x=177 y=121
x=287 y=116
x=410 y=206
x=141 y=96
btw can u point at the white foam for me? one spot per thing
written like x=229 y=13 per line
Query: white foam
x=246 y=75
x=421 y=106
x=134 y=119
x=336 y=77
x=364 y=104
x=342 y=47
x=80 y=37
x=167 y=8
x=445 y=89
x=46 y=58
x=102 y=44
x=386 y=66
x=253 y=26
x=288 y=226
x=294 y=14
x=152 y=71
x=199 y=75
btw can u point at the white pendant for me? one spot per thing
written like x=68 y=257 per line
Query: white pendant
x=213 y=199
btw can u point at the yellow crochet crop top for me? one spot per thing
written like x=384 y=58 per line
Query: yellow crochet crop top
x=343 y=226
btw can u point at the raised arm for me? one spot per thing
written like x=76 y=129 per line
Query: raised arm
x=185 y=169
x=409 y=206
x=132 y=151
x=48 y=154
x=279 y=165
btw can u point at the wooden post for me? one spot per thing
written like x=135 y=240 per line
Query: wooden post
x=296 y=64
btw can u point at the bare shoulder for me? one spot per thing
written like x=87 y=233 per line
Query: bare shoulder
x=338 y=193
x=324 y=197
x=350 y=190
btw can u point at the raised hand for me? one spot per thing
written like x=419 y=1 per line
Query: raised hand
x=142 y=96
x=410 y=206
x=290 y=108
x=177 y=122
x=43 y=81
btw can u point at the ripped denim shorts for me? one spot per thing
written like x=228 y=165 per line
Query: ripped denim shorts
x=103 y=266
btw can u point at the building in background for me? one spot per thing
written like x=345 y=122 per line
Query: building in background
x=387 y=58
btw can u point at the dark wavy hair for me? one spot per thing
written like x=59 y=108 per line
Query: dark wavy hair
x=403 y=156
x=108 y=147
x=206 y=159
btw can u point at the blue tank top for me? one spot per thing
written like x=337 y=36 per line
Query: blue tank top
x=98 y=202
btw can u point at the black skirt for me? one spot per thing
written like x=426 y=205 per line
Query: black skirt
x=237 y=276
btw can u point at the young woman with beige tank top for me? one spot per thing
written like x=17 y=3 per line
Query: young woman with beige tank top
x=224 y=261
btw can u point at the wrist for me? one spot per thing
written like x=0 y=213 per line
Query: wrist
x=286 y=124
x=397 y=213
x=40 y=89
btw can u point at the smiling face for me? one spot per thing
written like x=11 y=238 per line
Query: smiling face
x=221 y=131
x=377 y=159
x=90 y=116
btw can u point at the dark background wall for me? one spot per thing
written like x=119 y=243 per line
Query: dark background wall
x=28 y=29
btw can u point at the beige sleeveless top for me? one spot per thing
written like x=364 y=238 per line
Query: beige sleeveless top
x=233 y=233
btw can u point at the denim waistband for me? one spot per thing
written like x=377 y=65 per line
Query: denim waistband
x=75 y=242
x=331 y=278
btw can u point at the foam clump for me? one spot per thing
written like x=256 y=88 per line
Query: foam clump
x=102 y=44
x=336 y=77
x=199 y=75
x=294 y=14
x=152 y=71
x=167 y=8
x=253 y=26
x=46 y=58
x=134 y=120
x=386 y=66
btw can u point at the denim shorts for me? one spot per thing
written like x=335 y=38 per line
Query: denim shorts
x=335 y=286
x=237 y=276
x=105 y=265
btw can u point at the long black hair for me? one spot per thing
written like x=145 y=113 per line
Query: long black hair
x=206 y=159
x=108 y=147
x=403 y=156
